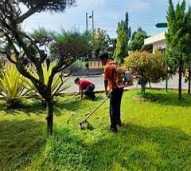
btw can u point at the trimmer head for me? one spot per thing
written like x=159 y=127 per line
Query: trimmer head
x=85 y=125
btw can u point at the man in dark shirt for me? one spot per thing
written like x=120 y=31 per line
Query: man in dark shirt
x=85 y=87
x=114 y=89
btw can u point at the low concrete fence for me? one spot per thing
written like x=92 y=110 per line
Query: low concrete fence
x=95 y=64
x=91 y=67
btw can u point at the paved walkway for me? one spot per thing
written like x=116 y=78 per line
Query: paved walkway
x=98 y=80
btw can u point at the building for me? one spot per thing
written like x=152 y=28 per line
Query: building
x=156 y=42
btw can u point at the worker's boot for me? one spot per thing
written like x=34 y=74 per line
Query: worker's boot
x=119 y=124
x=114 y=129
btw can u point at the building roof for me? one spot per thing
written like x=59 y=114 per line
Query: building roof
x=153 y=39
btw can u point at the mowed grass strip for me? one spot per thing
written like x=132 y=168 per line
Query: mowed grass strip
x=156 y=135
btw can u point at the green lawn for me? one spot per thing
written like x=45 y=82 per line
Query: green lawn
x=156 y=136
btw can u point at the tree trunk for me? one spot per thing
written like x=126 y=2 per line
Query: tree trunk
x=189 y=80
x=143 y=87
x=50 y=108
x=150 y=84
x=143 y=84
x=166 y=82
x=180 y=81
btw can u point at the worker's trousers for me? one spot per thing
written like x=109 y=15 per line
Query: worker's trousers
x=89 y=91
x=115 y=107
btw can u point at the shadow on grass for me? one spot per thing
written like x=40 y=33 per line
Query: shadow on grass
x=19 y=142
x=74 y=103
x=166 y=98
x=133 y=148
x=34 y=106
x=27 y=107
x=71 y=104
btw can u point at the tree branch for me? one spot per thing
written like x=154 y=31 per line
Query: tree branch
x=27 y=14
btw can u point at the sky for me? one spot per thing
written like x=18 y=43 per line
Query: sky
x=142 y=13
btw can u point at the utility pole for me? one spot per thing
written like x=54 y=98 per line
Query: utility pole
x=92 y=19
x=93 y=25
x=93 y=30
x=86 y=22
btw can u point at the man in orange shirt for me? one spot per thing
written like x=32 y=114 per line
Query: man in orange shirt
x=113 y=89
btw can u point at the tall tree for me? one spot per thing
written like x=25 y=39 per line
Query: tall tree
x=177 y=39
x=101 y=41
x=188 y=47
x=137 y=40
x=127 y=28
x=121 y=50
x=70 y=44
x=23 y=45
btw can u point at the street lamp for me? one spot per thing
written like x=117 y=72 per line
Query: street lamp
x=92 y=18
x=93 y=27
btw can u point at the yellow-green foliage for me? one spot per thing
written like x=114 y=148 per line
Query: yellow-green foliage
x=147 y=65
x=58 y=82
x=12 y=83
x=138 y=62
x=159 y=67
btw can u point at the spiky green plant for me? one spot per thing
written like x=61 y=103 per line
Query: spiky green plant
x=58 y=85
x=12 y=86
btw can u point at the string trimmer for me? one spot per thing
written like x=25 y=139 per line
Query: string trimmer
x=84 y=124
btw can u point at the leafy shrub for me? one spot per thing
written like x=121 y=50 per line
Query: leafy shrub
x=158 y=68
x=147 y=67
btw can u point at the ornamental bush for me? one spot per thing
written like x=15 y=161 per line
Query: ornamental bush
x=147 y=67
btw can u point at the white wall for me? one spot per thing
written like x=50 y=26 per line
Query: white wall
x=158 y=41
x=159 y=45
